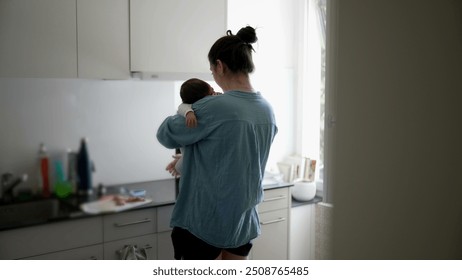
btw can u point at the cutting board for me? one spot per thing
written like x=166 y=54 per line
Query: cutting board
x=109 y=206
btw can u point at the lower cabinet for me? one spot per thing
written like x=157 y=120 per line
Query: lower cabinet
x=74 y=239
x=99 y=237
x=105 y=236
x=302 y=232
x=274 y=214
x=132 y=228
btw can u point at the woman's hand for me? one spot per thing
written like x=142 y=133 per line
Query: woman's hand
x=191 y=120
x=171 y=166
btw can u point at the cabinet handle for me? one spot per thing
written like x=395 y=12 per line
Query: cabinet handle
x=274 y=198
x=93 y=258
x=278 y=220
x=132 y=223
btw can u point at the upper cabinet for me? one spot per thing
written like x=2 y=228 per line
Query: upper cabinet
x=108 y=39
x=171 y=38
x=103 y=39
x=64 y=39
x=38 y=38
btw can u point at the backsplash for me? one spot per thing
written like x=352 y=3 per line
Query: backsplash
x=119 y=118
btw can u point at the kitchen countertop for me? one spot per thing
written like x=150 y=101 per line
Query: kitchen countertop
x=161 y=192
x=315 y=200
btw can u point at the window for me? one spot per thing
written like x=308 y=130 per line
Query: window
x=311 y=83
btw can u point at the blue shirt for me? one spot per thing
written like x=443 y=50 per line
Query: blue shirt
x=223 y=166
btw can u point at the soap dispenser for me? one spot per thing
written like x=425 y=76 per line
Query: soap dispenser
x=84 y=169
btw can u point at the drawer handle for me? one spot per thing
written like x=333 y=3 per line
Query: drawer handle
x=278 y=220
x=275 y=198
x=133 y=223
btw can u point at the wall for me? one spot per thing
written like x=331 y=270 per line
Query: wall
x=120 y=119
x=397 y=148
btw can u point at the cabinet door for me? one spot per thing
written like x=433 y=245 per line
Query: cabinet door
x=302 y=232
x=38 y=38
x=112 y=250
x=164 y=246
x=272 y=244
x=174 y=36
x=103 y=39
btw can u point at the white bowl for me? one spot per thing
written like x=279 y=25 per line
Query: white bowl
x=304 y=190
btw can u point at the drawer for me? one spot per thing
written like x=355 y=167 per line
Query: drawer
x=51 y=237
x=275 y=199
x=129 y=224
x=148 y=242
x=272 y=244
x=94 y=252
x=164 y=215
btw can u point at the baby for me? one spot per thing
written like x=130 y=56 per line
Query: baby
x=191 y=91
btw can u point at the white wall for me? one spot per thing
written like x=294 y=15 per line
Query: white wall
x=120 y=119
x=397 y=148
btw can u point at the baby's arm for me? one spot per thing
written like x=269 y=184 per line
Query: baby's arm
x=185 y=110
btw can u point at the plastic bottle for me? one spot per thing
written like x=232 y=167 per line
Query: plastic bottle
x=84 y=169
x=44 y=167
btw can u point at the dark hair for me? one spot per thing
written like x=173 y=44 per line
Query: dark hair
x=193 y=90
x=235 y=50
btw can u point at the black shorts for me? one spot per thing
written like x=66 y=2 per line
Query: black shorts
x=187 y=246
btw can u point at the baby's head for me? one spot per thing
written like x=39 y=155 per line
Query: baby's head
x=194 y=89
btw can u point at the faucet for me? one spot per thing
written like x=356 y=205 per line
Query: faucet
x=8 y=183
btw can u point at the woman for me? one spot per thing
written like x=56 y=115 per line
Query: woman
x=215 y=216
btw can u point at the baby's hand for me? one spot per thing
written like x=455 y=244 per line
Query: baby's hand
x=171 y=166
x=191 y=120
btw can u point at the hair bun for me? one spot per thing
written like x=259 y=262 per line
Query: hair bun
x=247 y=34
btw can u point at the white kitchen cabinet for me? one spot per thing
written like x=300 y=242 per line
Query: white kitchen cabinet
x=51 y=238
x=171 y=38
x=274 y=211
x=103 y=39
x=130 y=228
x=302 y=232
x=64 y=39
x=38 y=38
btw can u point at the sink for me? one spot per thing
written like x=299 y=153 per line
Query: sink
x=29 y=212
